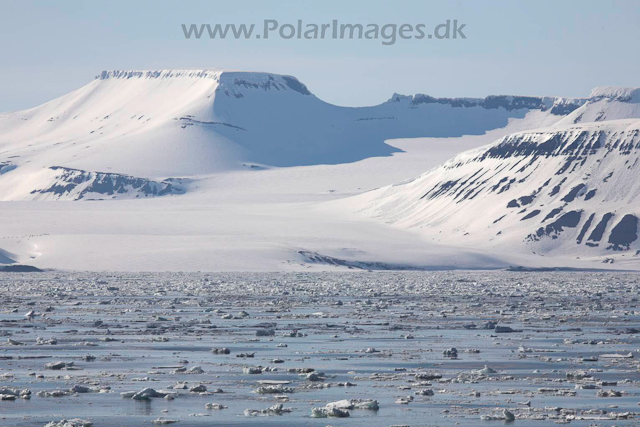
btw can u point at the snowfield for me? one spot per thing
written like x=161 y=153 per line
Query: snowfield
x=566 y=191
x=219 y=171
x=572 y=191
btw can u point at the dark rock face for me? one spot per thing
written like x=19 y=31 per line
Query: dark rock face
x=552 y=214
x=295 y=85
x=543 y=188
x=78 y=184
x=598 y=232
x=571 y=195
x=570 y=144
x=563 y=109
x=6 y=167
x=272 y=83
x=585 y=228
x=189 y=121
x=509 y=103
x=316 y=258
x=440 y=189
x=522 y=201
x=531 y=215
x=513 y=102
x=590 y=195
x=554 y=229
x=624 y=233
x=556 y=189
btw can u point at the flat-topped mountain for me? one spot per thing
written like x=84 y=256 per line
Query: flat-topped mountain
x=154 y=125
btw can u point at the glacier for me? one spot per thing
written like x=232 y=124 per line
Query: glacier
x=217 y=170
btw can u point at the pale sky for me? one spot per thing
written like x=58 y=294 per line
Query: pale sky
x=539 y=47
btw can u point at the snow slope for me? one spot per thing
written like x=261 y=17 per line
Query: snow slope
x=256 y=173
x=606 y=103
x=154 y=125
x=248 y=219
x=563 y=191
x=5 y=257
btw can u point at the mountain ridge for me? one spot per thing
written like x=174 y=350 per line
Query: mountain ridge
x=191 y=122
x=568 y=191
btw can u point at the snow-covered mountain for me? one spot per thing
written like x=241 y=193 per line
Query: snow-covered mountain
x=140 y=128
x=235 y=171
x=568 y=190
x=606 y=103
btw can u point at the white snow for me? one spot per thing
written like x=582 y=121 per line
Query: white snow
x=628 y=94
x=172 y=123
x=270 y=171
x=242 y=220
x=466 y=201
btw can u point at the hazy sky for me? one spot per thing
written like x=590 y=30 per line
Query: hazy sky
x=513 y=47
